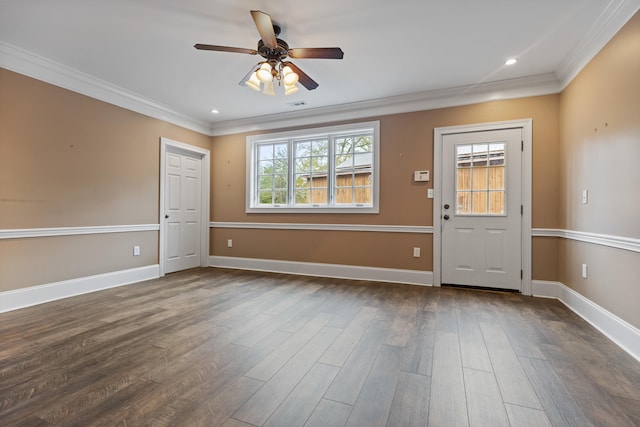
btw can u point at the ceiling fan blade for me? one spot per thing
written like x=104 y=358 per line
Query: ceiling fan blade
x=225 y=49
x=303 y=78
x=317 y=52
x=248 y=76
x=265 y=28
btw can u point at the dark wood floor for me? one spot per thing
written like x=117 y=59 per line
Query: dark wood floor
x=212 y=347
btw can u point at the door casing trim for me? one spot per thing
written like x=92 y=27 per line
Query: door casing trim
x=168 y=145
x=438 y=136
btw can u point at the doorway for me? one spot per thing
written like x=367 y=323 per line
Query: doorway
x=184 y=206
x=482 y=205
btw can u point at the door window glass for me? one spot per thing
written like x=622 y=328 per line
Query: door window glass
x=480 y=174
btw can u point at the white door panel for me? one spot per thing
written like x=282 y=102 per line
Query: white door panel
x=183 y=187
x=481 y=205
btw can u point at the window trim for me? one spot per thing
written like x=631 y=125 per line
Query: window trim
x=250 y=187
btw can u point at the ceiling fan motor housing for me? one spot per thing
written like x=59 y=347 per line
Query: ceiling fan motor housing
x=280 y=52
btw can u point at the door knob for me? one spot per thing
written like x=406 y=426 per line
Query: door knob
x=446 y=206
x=446 y=217
x=166 y=216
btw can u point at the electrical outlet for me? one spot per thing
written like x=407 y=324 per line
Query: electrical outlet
x=136 y=250
x=229 y=243
x=416 y=252
x=584 y=271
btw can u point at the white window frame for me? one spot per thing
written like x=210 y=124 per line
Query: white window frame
x=331 y=131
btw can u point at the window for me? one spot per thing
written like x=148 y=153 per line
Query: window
x=331 y=169
x=480 y=173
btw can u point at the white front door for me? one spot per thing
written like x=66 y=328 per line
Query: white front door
x=182 y=211
x=481 y=209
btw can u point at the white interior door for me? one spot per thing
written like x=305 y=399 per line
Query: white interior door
x=182 y=211
x=481 y=209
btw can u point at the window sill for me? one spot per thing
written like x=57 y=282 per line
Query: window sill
x=315 y=210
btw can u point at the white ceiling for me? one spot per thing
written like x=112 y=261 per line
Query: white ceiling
x=140 y=53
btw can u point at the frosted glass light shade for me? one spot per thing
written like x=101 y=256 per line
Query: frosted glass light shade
x=289 y=89
x=264 y=73
x=253 y=82
x=268 y=88
x=289 y=77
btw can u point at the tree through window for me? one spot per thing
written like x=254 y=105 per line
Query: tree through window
x=316 y=169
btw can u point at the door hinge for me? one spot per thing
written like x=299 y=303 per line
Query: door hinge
x=522 y=145
x=521 y=210
x=521 y=274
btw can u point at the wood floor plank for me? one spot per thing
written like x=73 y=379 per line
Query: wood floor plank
x=410 y=406
x=277 y=321
x=174 y=351
x=512 y=380
x=520 y=416
x=329 y=413
x=523 y=335
x=630 y=408
x=447 y=403
x=349 y=381
x=484 y=401
x=558 y=404
x=419 y=351
x=216 y=410
x=473 y=350
x=374 y=401
x=200 y=387
x=608 y=376
x=303 y=399
x=235 y=423
x=403 y=326
x=266 y=400
x=600 y=407
x=342 y=347
x=274 y=361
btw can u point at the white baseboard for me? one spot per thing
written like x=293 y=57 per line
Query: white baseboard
x=626 y=336
x=412 y=277
x=20 y=298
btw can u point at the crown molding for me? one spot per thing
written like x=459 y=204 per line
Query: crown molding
x=29 y=64
x=542 y=84
x=610 y=21
x=613 y=17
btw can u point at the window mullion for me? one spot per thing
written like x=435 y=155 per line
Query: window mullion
x=331 y=166
x=290 y=172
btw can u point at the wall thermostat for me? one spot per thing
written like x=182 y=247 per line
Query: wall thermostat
x=421 y=176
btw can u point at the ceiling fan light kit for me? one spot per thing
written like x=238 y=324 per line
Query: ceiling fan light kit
x=275 y=51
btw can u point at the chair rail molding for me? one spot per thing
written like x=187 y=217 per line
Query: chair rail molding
x=619 y=242
x=24 y=233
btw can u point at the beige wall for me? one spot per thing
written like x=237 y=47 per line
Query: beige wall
x=600 y=139
x=406 y=145
x=67 y=160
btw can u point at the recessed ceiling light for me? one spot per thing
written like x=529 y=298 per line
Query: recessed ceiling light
x=214 y=111
x=510 y=61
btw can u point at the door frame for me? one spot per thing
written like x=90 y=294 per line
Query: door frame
x=526 y=171
x=171 y=146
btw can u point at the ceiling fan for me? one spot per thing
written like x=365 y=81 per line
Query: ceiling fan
x=275 y=52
